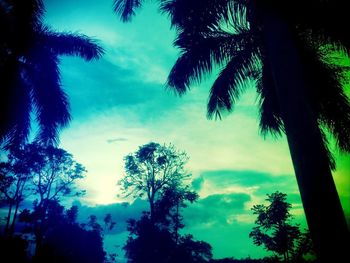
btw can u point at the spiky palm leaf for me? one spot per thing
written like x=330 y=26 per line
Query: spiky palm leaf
x=126 y=8
x=29 y=70
x=199 y=54
x=205 y=43
x=230 y=82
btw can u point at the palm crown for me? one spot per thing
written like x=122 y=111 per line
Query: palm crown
x=29 y=70
x=229 y=34
x=234 y=40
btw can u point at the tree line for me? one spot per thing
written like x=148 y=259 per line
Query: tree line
x=50 y=232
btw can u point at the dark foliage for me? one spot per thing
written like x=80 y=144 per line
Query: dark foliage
x=34 y=171
x=275 y=231
x=69 y=243
x=29 y=72
x=62 y=239
x=158 y=172
x=153 y=170
x=13 y=249
x=148 y=243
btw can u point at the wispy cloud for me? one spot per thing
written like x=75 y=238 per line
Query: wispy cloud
x=121 y=139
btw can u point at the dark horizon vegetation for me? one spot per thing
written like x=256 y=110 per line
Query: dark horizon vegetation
x=228 y=195
x=47 y=231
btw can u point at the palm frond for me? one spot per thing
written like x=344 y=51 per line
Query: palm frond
x=15 y=109
x=20 y=115
x=70 y=44
x=331 y=23
x=126 y=8
x=329 y=154
x=335 y=111
x=327 y=24
x=270 y=115
x=191 y=15
x=326 y=94
x=199 y=54
x=51 y=103
x=189 y=67
x=230 y=83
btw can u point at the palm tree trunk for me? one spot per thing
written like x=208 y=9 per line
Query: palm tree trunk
x=322 y=206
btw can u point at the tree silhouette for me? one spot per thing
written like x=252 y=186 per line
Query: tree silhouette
x=36 y=169
x=274 y=230
x=109 y=224
x=148 y=243
x=152 y=170
x=284 y=49
x=304 y=247
x=64 y=240
x=55 y=175
x=15 y=178
x=13 y=248
x=151 y=243
x=158 y=172
x=29 y=72
x=49 y=173
x=169 y=207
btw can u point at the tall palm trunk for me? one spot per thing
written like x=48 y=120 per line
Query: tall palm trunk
x=321 y=203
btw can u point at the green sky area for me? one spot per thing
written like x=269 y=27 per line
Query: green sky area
x=119 y=103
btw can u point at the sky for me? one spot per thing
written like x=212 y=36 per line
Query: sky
x=120 y=102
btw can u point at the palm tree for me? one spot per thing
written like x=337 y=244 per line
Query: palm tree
x=29 y=72
x=284 y=47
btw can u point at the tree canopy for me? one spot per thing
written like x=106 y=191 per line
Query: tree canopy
x=275 y=231
x=158 y=172
x=152 y=170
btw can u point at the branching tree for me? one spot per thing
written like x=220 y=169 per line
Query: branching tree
x=53 y=175
x=151 y=170
x=274 y=230
x=169 y=207
x=16 y=176
x=45 y=172
x=158 y=172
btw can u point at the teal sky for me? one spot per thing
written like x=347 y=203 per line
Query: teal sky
x=119 y=103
